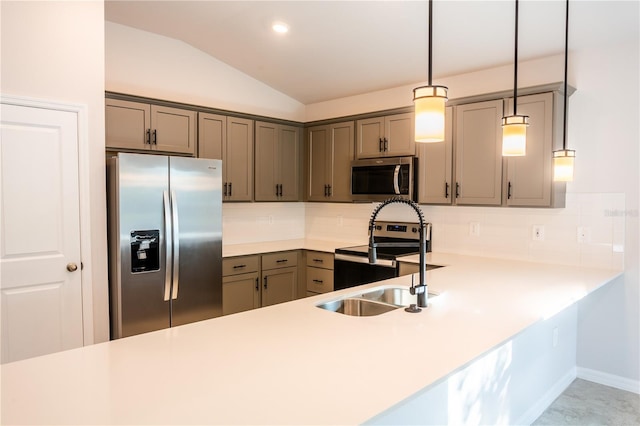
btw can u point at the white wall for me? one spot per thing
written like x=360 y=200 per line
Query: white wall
x=54 y=51
x=145 y=64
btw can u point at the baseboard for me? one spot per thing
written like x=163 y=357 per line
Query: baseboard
x=543 y=403
x=609 y=380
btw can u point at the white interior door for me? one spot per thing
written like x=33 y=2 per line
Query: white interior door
x=40 y=291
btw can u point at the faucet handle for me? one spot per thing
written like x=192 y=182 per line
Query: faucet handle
x=418 y=289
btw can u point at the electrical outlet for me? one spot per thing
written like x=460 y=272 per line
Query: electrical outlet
x=340 y=220
x=538 y=233
x=555 y=336
x=583 y=234
x=474 y=229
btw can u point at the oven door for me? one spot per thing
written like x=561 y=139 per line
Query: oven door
x=350 y=271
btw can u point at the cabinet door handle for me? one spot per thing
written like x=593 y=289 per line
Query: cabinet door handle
x=147 y=140
x=386 y=144
x=230 y=190
x=380 y=145
x=154 y=140
x=457 y=190
x=509 y=190
x=225 y=192
x=446 y=190
x=280 y=185
x=265 y=283
x=257 y=285
x=318 y=281
x=329 y=190
x=325 y=190
x=277 y=189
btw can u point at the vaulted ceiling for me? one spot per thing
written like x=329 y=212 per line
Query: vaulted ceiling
x=341 y=48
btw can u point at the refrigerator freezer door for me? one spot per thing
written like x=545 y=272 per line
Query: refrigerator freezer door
x=196 y=197
x=138 y=237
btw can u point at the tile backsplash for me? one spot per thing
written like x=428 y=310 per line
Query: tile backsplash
x=589 y=231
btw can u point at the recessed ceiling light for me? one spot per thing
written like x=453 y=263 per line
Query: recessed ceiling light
x=280 y=27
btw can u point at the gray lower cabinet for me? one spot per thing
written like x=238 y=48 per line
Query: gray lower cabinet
x=529 y=179
x=478 y=153
x=250 y=282
x=277 y=162
x=142 y=126
x=279 y=277
x=319 y=272
x=240 y=284
x=229 y=139
x=330 y=150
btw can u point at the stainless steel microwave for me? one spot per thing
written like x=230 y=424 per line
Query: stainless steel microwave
x=377 y=179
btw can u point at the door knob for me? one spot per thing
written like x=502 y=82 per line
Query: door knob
x=71 y=267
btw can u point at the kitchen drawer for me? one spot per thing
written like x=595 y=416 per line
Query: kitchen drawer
x=240 y=265
x=320 y=259
x=319 y=280
x=279 y=260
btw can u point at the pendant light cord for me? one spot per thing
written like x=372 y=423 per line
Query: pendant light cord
x=515 y=69
x=566 y=62
x=430 y=37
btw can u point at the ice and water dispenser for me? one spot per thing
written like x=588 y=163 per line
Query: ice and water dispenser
x=145 y=251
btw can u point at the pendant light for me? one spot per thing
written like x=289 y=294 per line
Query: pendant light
x=429 y=102
x=563 y=159
x=514 y=127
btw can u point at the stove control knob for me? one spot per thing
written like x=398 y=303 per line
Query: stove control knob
x=378 y=227
x=414 y=230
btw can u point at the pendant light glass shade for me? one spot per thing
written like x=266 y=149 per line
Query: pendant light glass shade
x=563 y=165
x=514 y=135
x=429 y=102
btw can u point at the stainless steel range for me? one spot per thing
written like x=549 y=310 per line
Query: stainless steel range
x=352 y=267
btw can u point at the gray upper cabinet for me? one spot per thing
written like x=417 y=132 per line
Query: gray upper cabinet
x=277 y=162
x=435 y=167
x=478 y=156
x=330 y=150
x=141 y=126
x=388 y=136
x=529 y=179
x=229 y=139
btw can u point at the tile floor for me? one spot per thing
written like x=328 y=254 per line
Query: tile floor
x=586 y=403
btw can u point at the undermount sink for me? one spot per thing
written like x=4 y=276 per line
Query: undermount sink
x=398 y=296
x=357 y=307
x=375 y=301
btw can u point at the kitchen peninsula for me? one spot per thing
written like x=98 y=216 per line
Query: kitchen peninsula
x=493 y=347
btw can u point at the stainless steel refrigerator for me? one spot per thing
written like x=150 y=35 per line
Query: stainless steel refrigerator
x=165 y=241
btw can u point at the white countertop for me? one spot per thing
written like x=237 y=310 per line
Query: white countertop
x=294 y=363
x=229 y=250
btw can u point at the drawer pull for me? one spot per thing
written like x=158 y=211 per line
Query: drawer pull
x=239 y=266
x=282 y=260
x=318 y=281
x=318 y=260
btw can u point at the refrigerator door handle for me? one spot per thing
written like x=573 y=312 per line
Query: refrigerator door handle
x=168 y=237
x=176 y=245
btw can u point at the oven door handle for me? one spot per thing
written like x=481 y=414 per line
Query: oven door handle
x=387 y=263
x=396 y=178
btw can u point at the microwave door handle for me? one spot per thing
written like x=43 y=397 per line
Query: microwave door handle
x=396 y=177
